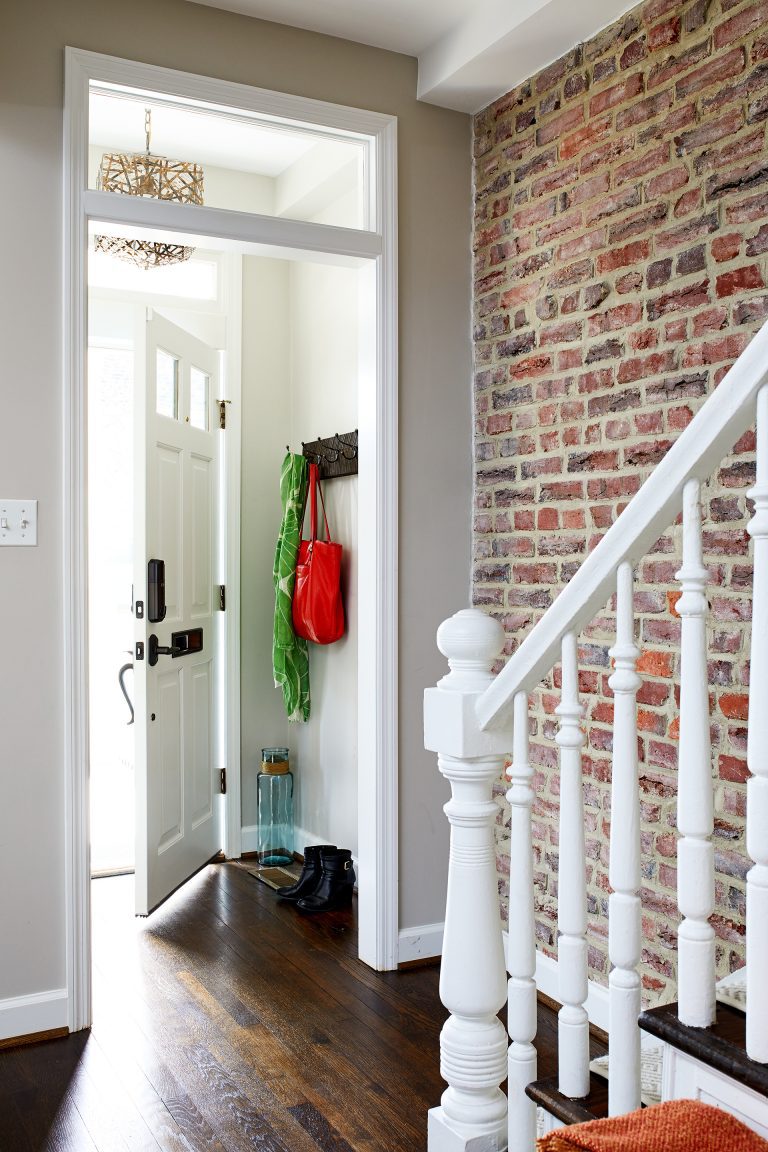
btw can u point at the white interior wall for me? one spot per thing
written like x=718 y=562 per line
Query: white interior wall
x=300 y=324
x=324 y=376
x=266 y=429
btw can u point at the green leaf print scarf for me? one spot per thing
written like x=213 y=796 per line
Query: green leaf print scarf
x=289 y=652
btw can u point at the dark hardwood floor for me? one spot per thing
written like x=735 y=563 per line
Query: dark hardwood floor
x=226 y=1021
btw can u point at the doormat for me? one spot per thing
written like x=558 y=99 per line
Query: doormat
x=274 y=877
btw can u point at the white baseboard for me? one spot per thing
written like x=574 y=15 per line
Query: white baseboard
x=547 y=981
x=26 y=1015
x=421 y=942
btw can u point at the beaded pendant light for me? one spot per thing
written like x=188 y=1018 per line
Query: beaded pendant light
x=142 y=174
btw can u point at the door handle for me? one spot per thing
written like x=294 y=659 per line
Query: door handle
x=182 y=643
x=156 y=649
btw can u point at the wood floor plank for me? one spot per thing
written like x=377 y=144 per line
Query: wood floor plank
x=227 y=1022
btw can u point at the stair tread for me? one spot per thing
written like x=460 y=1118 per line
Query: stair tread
x=591 y=1107
x=722 y=1047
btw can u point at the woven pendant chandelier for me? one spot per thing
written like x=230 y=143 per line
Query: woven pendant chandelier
x=142 y=174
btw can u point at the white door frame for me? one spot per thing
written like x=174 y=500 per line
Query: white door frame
x=377 y=678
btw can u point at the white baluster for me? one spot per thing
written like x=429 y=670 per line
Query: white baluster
x=473 y=1043
x=573 y=1023
x=521 y=998
x=695 y=855
x=624 y=925
x=757 y=759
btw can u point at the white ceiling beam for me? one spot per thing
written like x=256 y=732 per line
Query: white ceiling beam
x=502 y=43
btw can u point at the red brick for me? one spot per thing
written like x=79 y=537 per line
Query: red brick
x=520 y=293
x=683 y=299
x=740 y=25
x=718 y=69
x=553 y=180
x=719 y=159
x=732 y=768
x=617 y=94
x=590 y=134
x=543 y=210
x=652 y=663
x=558 y=226
x=673 y=66
x=667 y=32
x=641 y=368
x=712 y=351
x=713 y=320
x=610 y=205
x=675 y=331
x=622 y=257
x=710 y=131
x=588 y=242
x=640 y=166
x=531 y=366
x=679 y=418
x=726 y=247
x=758 y=244
x=666 y=182
x=734 y=706
x=688 y=202
x=615 y=318
x=587 y=189
x=739 y=280
x=753 y=208
x=649 y=423
x=607 y=152
x=643 y=339
x=558 y=125
x=560 y=333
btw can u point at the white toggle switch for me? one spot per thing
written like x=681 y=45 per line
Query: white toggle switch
x=18 y=522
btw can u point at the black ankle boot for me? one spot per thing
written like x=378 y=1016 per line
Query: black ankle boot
x=310 y=873
x=336 y=883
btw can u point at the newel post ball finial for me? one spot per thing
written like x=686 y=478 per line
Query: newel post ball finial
x=471 y=641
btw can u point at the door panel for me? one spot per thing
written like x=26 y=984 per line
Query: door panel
x=177 y=816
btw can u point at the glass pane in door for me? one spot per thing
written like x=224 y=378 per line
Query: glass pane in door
x=167 y=399
x=198 y=398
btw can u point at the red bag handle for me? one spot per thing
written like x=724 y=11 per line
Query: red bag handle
x=314 y=487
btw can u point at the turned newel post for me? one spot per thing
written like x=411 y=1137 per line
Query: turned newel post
x=473 y=1045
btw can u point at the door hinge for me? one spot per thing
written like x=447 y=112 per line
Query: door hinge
x=223 y=412
x=223 y=781
x=222 y=597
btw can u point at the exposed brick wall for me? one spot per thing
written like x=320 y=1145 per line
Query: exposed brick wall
x=621 y=237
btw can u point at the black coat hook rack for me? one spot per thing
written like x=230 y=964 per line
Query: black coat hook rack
x=334 y=455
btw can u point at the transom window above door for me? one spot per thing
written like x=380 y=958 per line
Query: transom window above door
x=234 y=159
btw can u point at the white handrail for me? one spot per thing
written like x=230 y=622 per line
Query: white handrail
x=697 y=452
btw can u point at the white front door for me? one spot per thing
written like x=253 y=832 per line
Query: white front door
x=178 y=825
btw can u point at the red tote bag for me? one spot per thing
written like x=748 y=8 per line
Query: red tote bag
x=318 y=611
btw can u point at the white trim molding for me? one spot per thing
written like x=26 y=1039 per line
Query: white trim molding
x=27 y=1015
x=422 y=942
x=376 y=249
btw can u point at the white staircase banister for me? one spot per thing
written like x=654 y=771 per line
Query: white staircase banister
x=696 y=454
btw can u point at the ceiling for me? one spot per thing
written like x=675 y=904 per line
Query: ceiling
x=116 y=124
x=469 y=52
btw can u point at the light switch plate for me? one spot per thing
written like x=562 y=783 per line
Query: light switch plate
x=18 y=522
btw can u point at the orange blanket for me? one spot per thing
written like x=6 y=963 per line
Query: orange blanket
x=677 y=1126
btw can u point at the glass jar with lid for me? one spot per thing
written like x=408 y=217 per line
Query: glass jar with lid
x=274 y=789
